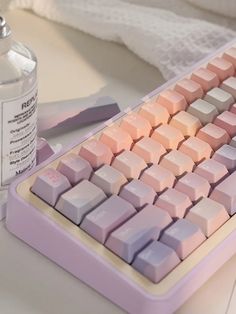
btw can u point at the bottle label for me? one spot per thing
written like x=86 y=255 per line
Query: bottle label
x=18 y=132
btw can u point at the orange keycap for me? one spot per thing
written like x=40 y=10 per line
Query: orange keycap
x=168 y=136
x=172 y=101
x=196 y=149
x=186 y=123
x=154 y=113
x=230 y=55
x=207 y=79
x=213 y=135
x=221 y=67
x=189 y=89
x=227 y=121
x=136 y=125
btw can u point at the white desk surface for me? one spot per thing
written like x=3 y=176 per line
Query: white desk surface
x=73 y=64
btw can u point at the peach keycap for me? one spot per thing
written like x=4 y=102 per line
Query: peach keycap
x=229 y=85
x=221 y=67
x=230 y=55
x=116 y=138
x=194 y=186
x=221 y=99
x=154 y=113
x=172 y=101
x=149 y=149
x=203 y=110
x=136 y=125
x=189 y=89
x=207 y=79
x=158 y=178
x=208 y=215
x=227 y=121
x=174 y=202
x=196 y=149
x=226 y=155
x=211 y=170
x=130 y=164
x=177 y=162
x=168 y=136
x=213 y=135
x=96 y=153
x=186 y=123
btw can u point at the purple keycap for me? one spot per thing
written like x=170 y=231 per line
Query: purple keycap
x=106 y=217
x=74 y=168
x=156 y=261
x=49 y=185
x=77 y=202
x=138 y=193
x=226 y=155
x=43 y=150
x=138 y=232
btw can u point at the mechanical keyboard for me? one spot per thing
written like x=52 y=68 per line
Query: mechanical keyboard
x=142 y=209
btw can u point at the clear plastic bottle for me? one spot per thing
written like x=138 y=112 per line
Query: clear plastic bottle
x=18 y=107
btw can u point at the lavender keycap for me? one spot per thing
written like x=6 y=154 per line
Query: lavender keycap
x=138 y=193
x=226 y=155
x=137 y=232
x=49 y=185
x=156 y=261
x=77 y=202
x=43 y=150
x=106 y=217
x=233 y=142
x=183 y=237
x=74 y=168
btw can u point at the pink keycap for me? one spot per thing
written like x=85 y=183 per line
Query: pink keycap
x=156 y=261
x=149 y=149
x=230 y=55
x=211 y=170
x=213 y=135
x=43 y=150
x=177 y=162
x=174 y=202
x=96 y=153
x=186 y=123
x=226 y=155
x=183 y=237
x=136 y=125
x=207 y=79
x=116 y=138
x=221 y=67
x=158 y=178
x=168 y=136
x=138 y=232
x=172 y=101
x=74 y=168
x=138 y=193
x=154 y=113
x=194 y=186
x=189 y=89
x=208 y=215
x=227 y=121
x=233 y=109
x=196 y=149
x=225 y=193
x=130 y=164
x=105 y=218
x=49 y=185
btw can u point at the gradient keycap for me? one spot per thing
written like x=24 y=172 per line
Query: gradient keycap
x=196 y=149
x=136 y=125
x=106 y=217
x=219 y=98
x=212 y=170
x=154 y=113
x=229 y=85
x=158 y=178
x=49 y=184
x=96 y=153
x=203 y=110
x=78 y=201
x=172 y=101
x=43 y=150
x=74 y=168
x=138 y=193
x=177 y=162
x=226 y=155
x=221 y=67
x=130 y=164
x=116 y=138
x=227 y=121
x=186 y=123
x=149 y=149
x=168 y=136
x=213 y=135
x=189 y=89
x=230 y=55
x=109 y=179
x=137 y=232
x=183 y=236
x=156 y=261
x=174 y=202
x=208 y=215
x=207 y=79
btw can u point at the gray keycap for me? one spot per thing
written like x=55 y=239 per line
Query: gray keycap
x=219 y=98
x=229 y=85
x=203 y=110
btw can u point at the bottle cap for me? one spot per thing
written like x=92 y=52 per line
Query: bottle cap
x=5 y=30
